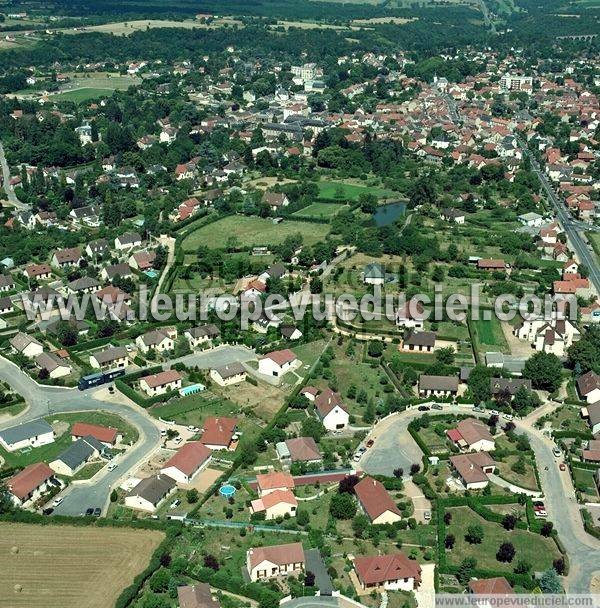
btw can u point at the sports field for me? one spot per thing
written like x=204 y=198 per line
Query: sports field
x=321 y=210
x=57 y=566
x=252 y=231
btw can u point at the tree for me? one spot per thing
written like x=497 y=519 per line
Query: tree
x=449 y=541
x=544 y=370
x=398 y=473
x=559 y=565
x=114 y=496
x=342 y=506
x=313 y=428
x=359 y=524
x=465 y=570
x=309 y=579
x=375 y=348
x=347 y=484
x=447 y=517
x=210 y=561
x=506 y=552
x=479 y=383
x=155 y=601
x=66 y=333
x=546 y=529
x=192 y=495
x=550 y=583
x=445 y=356
x=6 y=504
x=509 y=522
x=474 y=534
x=159 y=581
x=522 y=567
x=302 y=518
x=415 y=468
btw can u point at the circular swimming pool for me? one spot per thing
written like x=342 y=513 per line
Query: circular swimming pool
x=227 y=490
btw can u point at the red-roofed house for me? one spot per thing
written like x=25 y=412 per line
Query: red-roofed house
x=278 y=503
x=277 y=560
x=105 y=435
x=276 y=480
x=278 y=362
x=376 y=502
x=331 y=410
x=189 y=460
x=30 y=483
x=497 y=585
x=219 y=433
x=161 y=383
x=389 y=572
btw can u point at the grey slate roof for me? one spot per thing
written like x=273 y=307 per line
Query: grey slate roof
x=110 y=354
x=80 y=451
x=14 y=434
x=228 y=371
x=153 y=489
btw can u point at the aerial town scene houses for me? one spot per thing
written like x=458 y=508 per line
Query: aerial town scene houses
x=298 y=150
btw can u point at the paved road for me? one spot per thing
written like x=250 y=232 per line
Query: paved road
x=10 y=193
x=45 y=401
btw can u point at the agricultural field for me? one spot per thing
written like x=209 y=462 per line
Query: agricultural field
x=321 y=210
x=53 y=567
x=533 y=548
x=126 y=28
x=252 y=231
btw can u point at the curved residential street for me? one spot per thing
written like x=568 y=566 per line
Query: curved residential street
x=10 y=193
x=46 y=400
x=394 y=447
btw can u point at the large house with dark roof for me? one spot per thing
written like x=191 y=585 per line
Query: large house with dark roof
x=79 y=453
x=31 y=434
x=150 y=492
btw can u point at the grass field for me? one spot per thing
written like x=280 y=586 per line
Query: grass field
x=351 y=192
x=82 y=95
x=489 y=335
x=252 y=231
x=53 y=567
x=535 y=549
x=126 y=28
x=321 y=210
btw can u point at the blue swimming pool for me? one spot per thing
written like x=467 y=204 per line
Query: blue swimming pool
x=151 y=274
x=227 y=490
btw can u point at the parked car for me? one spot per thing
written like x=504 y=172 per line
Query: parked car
x=163 y=432
x=177 y=440
x=370 y=443
x=48 y=511
x=97 y=512
x=556 y=451
x=436 y=406
x=423 y=408
x=192 y=428
x=57 y=501
x=89 y=511
x=478 y=408
x=427 y=515
x=495 y=413
x=507 y=416
x=112 y=466
x=357 y=456
x=175 y=504
x=562 y=466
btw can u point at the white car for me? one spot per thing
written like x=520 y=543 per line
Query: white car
x=508 y=416
x=177 y=440
x=163 y=432
x=192 y=428
x=175 y=504
x=57 y=501
x=495 y=413
x=112 y=466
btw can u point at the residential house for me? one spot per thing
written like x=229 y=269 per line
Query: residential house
x=187 y=462
x=6 y=282
x=496 y=585
x=472 y=435
x=275 y=200
x=277 y=560
x=97 y=248
x=142 y=260
x=374 y=274
x=161 y=383
x=41 y=272
x=201 y=335
x=228 y=374
x=278 y=503
x=331 y=411
x=438 y=386
x=508 y=387
x=79 y=453
x=455 y=216
x=30 y=483
x=160 y=339
x=492 y=265
x=299 y=449
x=290 y=332
x=275 y=480
x=112 y=271
x=376 y=502
x=277 y=363
x=592 y=413
x=411 y=315
x=110 y=358
x=31 y=434
x=54 y=364
x=64 y=258
x=6 y=305
x=419 y=341
x=473 y=469
x=108 y=436
x=150 y=492
x=198 y=595
x=129 y=240
x=219 y=433
x=83 y=285
x=388 y=572
x=588 y=386
x=26 y=345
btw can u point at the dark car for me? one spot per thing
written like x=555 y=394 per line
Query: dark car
x=97 y=512
x=423 y=408
x=89 y=511
x=48 y=511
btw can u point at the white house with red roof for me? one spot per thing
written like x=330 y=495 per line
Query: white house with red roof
x=187 y=462
x=376 y=502
x=219 y=433
x=387 y=572
x=278 y=363
x=278 y=503
x=274 y=561
x=106 y=435
x=161 y=383
x=331 y=410
x=30 y=483
x=472 y=435
x=275 y=480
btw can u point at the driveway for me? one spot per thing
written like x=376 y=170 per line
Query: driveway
x=425 y=595
x=420 y=503
x=315 y=564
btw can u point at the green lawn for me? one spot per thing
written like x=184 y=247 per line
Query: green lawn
x=321 y=210
x=252 y=231
x=489 y=335
x=584 y=480
x=129 y=432
x=82 y=95
x=351 y=192
x=45 y=453
x=535 y=549
x=194 y=409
